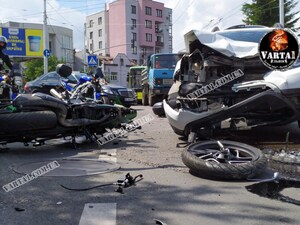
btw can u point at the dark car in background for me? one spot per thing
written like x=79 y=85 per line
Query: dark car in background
x=46 y=82
x=116 y=94
x=120 y=95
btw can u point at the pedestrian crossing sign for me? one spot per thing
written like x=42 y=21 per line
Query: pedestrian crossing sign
x=92 y=60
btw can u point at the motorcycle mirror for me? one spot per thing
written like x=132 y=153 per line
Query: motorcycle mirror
x=63 y=70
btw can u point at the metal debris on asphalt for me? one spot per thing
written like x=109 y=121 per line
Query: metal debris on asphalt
x=160 y=222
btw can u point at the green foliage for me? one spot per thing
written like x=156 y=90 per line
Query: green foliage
x=266 y=12
x=35 y=67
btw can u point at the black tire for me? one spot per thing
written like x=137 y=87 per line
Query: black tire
x=144 y=97
x=151 y=100
x=246 y=162
x=27 y=121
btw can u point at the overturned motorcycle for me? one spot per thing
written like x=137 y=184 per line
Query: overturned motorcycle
x=40 y=117
x=229 y=88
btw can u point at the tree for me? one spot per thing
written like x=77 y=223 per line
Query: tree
x=266 y=12
x=35 y=67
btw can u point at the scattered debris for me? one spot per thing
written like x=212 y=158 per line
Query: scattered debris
x=274 y=178
x=159 y=222
x=19 y=209
x=123 y=182
x=273 y=190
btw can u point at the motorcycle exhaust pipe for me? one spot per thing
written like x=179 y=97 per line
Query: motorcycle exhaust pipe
x=56 y=94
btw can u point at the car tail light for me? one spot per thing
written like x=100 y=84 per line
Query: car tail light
x=26 y=89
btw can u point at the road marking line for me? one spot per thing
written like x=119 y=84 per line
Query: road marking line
x=99 y=214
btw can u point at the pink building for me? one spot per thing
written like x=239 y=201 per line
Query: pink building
x=134 y=28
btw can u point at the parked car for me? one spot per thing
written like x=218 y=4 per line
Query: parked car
x=116 y=94
x=120 y=95
x=46 y=82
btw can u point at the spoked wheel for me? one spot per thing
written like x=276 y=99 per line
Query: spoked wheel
x=224 y=160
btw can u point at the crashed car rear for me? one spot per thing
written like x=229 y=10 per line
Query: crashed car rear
x=222 y=83
x=215 y=54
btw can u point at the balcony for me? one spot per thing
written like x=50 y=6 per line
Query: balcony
x=159 y=44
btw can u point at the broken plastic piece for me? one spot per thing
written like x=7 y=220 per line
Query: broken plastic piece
x=159 y=222
x=19 y=209
x=275 y=176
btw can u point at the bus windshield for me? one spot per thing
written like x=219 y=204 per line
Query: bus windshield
x=165 y=61
x=135 y=76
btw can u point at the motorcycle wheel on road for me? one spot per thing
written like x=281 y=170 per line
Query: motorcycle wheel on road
x=225 y=160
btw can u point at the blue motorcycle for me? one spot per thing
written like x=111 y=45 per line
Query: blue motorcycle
x=88 y=88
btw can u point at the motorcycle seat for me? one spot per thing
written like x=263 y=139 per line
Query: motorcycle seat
x=37 y=100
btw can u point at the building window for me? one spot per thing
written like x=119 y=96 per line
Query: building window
x=133 y=9
x=91 y=35
x=148 y=11
x=159 y=39
x=91 y=23
x=100 y=32
x=113 y=76
x=133 y=40
x=91 y=47
x=148 y=24
x=99 y=20
x=121 y=62
x=100 y=44
x=134 y=50
x=133 y=37
x=133 y=22
x=148 y=37
x=159 y=13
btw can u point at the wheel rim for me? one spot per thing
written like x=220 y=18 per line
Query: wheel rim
x=233 y=154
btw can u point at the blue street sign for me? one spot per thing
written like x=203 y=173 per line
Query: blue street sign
x=92 y=60
x=47 y=53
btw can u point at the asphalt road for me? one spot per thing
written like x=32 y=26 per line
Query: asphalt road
x=168 y=192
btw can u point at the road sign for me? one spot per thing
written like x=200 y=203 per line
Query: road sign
x=92 y=60
x=47 y=53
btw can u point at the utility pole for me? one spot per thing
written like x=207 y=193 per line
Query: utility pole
x=84 y=49
x=281 y=12
x=45 y=35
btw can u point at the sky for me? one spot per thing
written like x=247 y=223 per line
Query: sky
x=187 y=15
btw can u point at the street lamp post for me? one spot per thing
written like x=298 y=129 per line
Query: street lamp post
x=45 y=39
x=84 y=49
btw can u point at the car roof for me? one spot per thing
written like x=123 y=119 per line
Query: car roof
x=114 y=86
x=246 y=29
x=242 y=26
